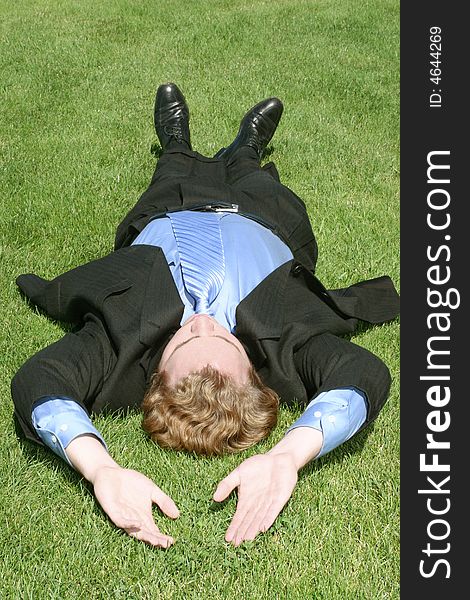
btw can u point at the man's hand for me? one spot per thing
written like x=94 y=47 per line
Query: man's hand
x=126 y=496
x=265 y=483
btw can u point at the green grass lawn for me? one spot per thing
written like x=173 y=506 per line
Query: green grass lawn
x=77 y=90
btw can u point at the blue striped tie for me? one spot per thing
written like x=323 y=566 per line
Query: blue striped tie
x=201 y=253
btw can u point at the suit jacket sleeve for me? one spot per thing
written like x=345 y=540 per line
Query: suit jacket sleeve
x=75 y=367
x=327 y=362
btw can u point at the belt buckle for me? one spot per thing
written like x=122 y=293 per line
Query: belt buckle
x=233 y=208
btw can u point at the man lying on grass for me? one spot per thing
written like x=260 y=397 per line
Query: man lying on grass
x=205 y=315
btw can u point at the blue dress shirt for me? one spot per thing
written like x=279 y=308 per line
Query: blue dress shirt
x=337 y=413
x=246 y=244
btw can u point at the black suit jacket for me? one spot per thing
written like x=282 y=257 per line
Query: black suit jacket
x=127 y=306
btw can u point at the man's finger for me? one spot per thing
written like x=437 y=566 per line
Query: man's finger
x=148 y=532
x=271 y=515
x=226 y=486
x=165 y=503
x=252 y=526
x=153 y=538
x=241 y=519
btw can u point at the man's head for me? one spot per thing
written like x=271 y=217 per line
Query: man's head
x=205 y=395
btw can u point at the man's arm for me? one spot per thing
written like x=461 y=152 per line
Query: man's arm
x=125 y=495
x=75 y=368
x=266 y=482
x=338 y=414
x=58 y=421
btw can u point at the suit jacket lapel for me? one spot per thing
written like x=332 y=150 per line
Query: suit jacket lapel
x=261 y=314
x=162 y=307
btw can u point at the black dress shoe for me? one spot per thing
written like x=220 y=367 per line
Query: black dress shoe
x=171 y=116
x=256 y=128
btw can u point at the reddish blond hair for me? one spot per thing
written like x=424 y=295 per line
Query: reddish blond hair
x=208 y=413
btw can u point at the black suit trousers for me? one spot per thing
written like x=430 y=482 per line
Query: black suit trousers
x=184 y=180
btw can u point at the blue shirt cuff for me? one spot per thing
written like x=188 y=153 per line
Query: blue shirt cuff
x=338 y=414
x=59 y=420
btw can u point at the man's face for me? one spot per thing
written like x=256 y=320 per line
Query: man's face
x=202 y=342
